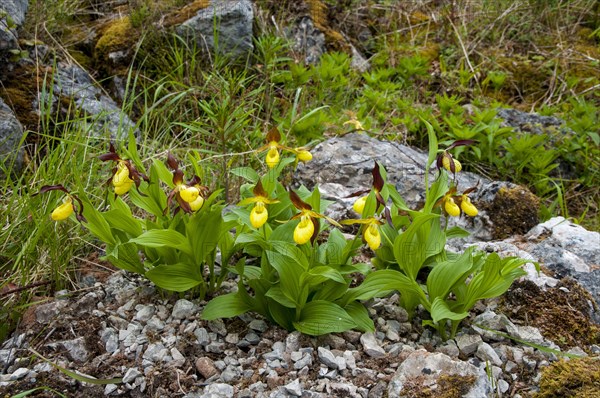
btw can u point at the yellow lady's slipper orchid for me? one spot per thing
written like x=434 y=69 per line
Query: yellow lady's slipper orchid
x=121 y=180
x=446 y=164
x=197 y=204
x=467 y=207
x=359 y=205
x=259 y=215
x=354 y=123
x=304 y=230
x=451 y=207
x=123 y=188
x=188 y=194
x=273 y=155
x=372 y=236
x=63 y=211
x=304 y=156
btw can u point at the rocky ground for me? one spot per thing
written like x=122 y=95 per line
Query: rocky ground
x=118 y=326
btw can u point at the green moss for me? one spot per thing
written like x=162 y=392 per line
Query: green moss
x=117 y=35
x=571 y=378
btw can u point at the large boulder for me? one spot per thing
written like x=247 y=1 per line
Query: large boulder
x=105 y=116
x=342 y=166
x=225 y=26
x=11 y=133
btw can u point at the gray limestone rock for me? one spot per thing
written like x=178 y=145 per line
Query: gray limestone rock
x=307 y=40
x=105 y=118
x=371 y=345
x=12 y=15
x=184 y=309
x=342 y=166
x=11 y=133
x=224 y=26
x=425 y=368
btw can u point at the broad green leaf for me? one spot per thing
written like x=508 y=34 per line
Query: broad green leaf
x=175 y=277
x=120 y=218
x=204 y=232
x=148 y=203
x=440 y=311
x=457 y=232
x=322 y=273
x=290 y=250
x=360 y=315
x=282 y=315
x=380 y=283
x=125 y=256
x=321 y=317
x=284 y=232
x=330 y=291
x=290 y=277
x=437 y=190
x=164 y=238
x=247 y=173
x=225 y=306
x=96 y=223
x=445 y=274
x=409 y=251
x=494 y=278
x=277 y=294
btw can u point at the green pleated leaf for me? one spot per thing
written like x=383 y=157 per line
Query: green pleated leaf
x=175 y=277
x=225 y=306
x=277 y=294
x=359 y=313
x=164 y=238
x=441 y=311
x=125 y=256
x=322 y=317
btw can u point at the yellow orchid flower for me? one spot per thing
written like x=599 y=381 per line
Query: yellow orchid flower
x=467 y=207
x=190 y=195
x=273 y=146
x=371 y=234
x=447 y=166
x=259 y=213
x=125 y=174
x=451 y=207
x=305 y=230
x=197 y=204
x=359 y=205
x=63 y=211
x=272 y=158
x=121 y=181
x=308 y=227
x=303 y=155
